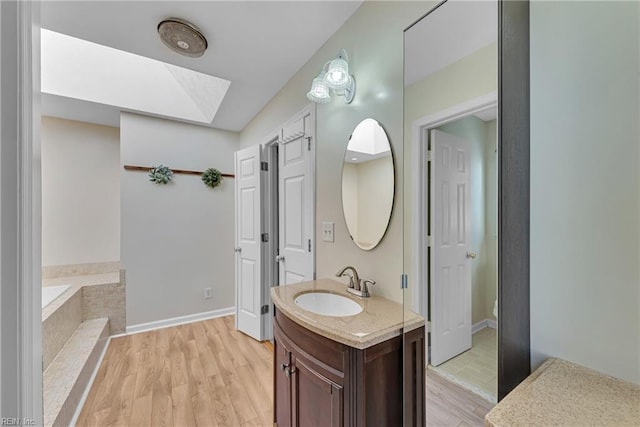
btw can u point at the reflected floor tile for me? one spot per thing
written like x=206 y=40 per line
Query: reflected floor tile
x=476 y=368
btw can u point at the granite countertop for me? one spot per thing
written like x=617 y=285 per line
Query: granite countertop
x=379 y=320
x=561 y=393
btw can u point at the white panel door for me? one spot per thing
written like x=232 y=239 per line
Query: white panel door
x=296 y=192
x=451 y=232
x=248 y=241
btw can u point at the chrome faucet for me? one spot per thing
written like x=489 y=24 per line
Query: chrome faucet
x=354 y=280
x=356 y=285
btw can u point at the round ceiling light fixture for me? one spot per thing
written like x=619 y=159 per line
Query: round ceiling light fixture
x=183 y=37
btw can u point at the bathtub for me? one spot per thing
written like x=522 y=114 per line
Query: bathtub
x=49 y=293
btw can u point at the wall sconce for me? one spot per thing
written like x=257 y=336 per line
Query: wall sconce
x=335 y=78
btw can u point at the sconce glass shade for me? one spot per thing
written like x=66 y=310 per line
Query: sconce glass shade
x=337 y=76
x=319 y=92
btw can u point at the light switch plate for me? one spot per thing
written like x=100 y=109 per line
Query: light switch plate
x=327 y=231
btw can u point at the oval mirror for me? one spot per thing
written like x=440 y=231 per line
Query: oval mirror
x=368 y=182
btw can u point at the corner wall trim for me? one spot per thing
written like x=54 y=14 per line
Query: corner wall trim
x=181 y=320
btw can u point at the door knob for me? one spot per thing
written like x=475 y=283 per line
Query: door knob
x=279 y=258
x=237 y=249
x=471 y=255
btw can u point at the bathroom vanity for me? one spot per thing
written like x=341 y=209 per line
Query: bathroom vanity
x=359 y=370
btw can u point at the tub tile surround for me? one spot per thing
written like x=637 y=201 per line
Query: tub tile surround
x=54 y=271
x=562 y=393
x=379 y=320
x=66 y=378
x=60 y=324
x=76 y=326
x=102 y=295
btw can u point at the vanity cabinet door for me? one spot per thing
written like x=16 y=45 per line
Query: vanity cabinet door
x=281 y=381
x=317 y=401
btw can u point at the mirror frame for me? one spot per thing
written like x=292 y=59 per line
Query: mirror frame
x=514 y=339
x=395 y=186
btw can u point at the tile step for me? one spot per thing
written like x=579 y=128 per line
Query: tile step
x=66 y=378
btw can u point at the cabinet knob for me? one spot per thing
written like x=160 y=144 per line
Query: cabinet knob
x=284 y=366
x=290 y=371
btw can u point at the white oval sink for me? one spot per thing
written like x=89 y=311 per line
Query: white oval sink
x=328 y=304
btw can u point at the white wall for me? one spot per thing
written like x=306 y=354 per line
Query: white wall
x=373 y=39
x=177 y=239
x=350 y=197
x=585 y=185
x=367 y=194
x=375 y=193
x=80 y=192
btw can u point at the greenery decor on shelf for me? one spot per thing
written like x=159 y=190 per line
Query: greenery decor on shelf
x=212 y=177
x=160 y=174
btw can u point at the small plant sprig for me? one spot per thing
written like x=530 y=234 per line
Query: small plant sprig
x=160 y=175
x=212 y=177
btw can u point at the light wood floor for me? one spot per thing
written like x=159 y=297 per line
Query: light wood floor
x=448 y=404
x=207 y=374
x=199 y=374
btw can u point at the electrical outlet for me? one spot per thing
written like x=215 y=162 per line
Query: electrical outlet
x=208 y=293
x=327 y=231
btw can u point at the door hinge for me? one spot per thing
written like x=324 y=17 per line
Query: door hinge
x=264 y=309
x=428 y=241
x=308 y=143
x=309 y=245
x=404 y=281
x=429 y=156
x=264 y=166
x=265 y=237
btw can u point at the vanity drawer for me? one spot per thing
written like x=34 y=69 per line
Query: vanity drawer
x=330 y=356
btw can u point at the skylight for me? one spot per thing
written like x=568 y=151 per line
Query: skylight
x=76 y=68
x=370 y=139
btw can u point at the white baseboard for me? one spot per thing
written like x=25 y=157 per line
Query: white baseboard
x=493 y=324
x=181 y=320
x=485 y=323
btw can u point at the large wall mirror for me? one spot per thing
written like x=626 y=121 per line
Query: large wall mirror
x=368 y=182
x=466 y=148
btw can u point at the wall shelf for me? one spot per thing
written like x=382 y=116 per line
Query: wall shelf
x=175 y=171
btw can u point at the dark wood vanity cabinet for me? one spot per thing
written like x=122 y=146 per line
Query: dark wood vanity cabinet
x=320 y=382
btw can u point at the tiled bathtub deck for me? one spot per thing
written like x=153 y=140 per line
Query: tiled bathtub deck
x=76 y=327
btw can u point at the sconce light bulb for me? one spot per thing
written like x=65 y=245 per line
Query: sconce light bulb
x=337 y=76
x=319 y=92
x=334 y=78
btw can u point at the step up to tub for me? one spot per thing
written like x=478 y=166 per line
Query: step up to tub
x=67 y=376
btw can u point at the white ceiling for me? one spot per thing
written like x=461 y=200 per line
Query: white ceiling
x=455 y=30
x=258 y=45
